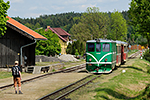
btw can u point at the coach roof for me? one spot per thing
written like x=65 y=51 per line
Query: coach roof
x=101 y=40
x=121 y=42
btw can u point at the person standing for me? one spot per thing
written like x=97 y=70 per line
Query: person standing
x=16 y=72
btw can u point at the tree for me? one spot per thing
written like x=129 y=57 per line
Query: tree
x=50 y=46
x=37 y=25
x=29 y=25
x=69 y=48
x=3 y=10
x=139 y=13
x=76 y=47
x=118 y=27
x=93 y=24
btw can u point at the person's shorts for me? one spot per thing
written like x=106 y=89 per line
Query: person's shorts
x=17 y=80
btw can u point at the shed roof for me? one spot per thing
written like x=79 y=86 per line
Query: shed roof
x=25 y=29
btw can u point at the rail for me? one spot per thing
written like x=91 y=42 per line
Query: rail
x=71 y=69
x=134 y=55
x=61 y=93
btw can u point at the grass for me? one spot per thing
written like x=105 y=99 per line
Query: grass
x=5 y=74
x=131 y=85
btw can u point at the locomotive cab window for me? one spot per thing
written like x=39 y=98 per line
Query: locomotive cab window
x=106 y=47
x=98 y=47
x=91 y=47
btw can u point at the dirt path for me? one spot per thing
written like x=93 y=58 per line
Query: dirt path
x=9 y=80
x=39 y=88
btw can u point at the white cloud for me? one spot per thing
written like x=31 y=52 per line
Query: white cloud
x=33 y=8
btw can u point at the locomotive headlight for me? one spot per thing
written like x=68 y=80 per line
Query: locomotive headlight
x=90 y=60
x=106 y=60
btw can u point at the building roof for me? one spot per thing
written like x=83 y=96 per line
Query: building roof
x=60 y=32
x=25 y=29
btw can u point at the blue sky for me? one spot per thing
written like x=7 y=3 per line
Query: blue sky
x=35 y=8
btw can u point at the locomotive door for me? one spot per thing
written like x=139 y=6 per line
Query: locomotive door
x=122 y=53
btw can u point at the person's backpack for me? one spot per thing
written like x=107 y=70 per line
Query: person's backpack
x=15 y=71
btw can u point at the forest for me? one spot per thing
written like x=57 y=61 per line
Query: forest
x=67 y=20
x=63 y=20
x=85 y=26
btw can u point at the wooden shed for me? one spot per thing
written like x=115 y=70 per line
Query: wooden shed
x=18 y=43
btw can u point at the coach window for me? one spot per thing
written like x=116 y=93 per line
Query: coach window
x=98 y=47
x=106 y=47
x=125 y=49
x=91 y=47
x=118 y=49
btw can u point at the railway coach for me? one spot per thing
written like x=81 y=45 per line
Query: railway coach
x=103 y=55
x=122 y=52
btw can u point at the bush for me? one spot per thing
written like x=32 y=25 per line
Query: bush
x=146 y=93
x=147 y=55
x=148 y=69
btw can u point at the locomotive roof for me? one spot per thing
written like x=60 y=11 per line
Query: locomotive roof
x=101 y=40
x=111 y=41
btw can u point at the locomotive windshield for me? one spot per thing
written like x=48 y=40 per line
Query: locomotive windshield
x=91 y=47
x=106 y=47
x=98 y=47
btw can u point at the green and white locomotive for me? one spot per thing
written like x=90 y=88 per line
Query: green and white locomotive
x=100 y=56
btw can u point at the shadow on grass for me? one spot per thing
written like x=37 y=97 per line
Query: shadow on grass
x=104 y=97
x=143 y=96
x=112 y=93
x=139 y=69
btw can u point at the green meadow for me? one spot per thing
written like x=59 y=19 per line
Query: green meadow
x=128 y=82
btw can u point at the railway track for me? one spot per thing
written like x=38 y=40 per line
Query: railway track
x=134 y=55
x=61 y=93
x=71 y=69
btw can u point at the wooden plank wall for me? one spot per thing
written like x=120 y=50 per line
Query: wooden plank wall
x=10 y=45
